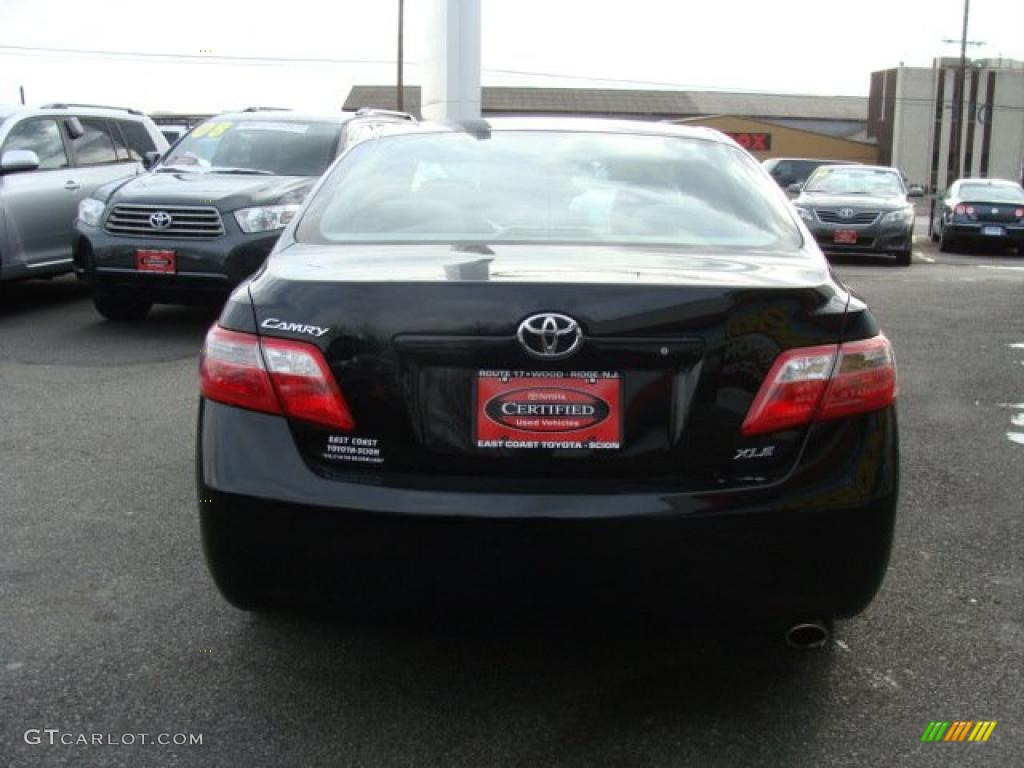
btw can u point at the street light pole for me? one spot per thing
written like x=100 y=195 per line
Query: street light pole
x=400 y=99
x=961 y=82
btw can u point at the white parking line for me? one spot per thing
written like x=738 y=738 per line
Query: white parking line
x=922 y=257
x=999 y=266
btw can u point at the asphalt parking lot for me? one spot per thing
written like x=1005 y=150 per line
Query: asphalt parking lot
x=110 y=624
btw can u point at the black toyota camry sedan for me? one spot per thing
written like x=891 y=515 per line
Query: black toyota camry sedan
x=605 y=356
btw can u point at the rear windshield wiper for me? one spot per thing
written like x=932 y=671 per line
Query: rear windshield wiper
x=252 y=171
x=175 y=169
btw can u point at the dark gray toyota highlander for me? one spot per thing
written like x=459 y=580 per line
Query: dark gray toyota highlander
x=206 y=216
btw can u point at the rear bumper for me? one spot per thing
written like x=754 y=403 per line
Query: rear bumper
x=1011 y=234
x=815 y=544
x=206 y=269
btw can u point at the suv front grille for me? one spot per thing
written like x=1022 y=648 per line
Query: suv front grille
x=859 y=218
x=187 y=222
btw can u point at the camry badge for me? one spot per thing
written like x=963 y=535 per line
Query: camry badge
x=160 y=220
x=846 y=213
x=549 y=336
x=283 y=325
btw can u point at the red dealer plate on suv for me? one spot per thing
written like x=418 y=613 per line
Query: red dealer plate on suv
x=155 y=261
x=845 y=236
x=548 y=409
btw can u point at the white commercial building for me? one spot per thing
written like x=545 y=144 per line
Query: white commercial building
x=912 y=114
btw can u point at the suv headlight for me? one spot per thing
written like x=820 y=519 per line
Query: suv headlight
x=805 y=213
x=265 y=218
x=899 y=217
x=90 y=211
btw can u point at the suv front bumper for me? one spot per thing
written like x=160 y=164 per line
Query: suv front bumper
x=875 y=238
x=206 y=269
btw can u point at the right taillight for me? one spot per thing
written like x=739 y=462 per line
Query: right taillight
x=864 y=379
x=821 y=383
x=290 y=378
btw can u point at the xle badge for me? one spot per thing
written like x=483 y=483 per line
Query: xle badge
x=754 y=453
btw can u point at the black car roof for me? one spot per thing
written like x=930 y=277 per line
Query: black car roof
x=861 y=167
x=814 y=160
x=990 y=182
x=563 y=124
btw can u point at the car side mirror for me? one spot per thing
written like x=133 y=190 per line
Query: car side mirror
x=915 y=191
x=150 y=159
x=794 y=188
x=17 y=160
x=75 y=129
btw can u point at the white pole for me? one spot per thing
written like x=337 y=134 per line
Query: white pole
x=451 y=62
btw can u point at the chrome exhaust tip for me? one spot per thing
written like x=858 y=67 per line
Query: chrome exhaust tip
x=808 y=634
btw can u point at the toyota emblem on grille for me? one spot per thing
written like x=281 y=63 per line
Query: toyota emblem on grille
x=846 y=213
x=160 y=220
x=549 y=336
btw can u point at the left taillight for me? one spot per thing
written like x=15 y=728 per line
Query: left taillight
x=289 y=378
x=823 y=383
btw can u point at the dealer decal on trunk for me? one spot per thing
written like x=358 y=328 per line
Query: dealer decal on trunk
x=352 y=449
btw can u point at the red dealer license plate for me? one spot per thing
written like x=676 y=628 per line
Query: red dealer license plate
x=549 y=410
x=156 y=261
x=848 y=236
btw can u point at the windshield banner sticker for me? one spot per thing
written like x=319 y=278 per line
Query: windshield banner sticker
x=269 y=126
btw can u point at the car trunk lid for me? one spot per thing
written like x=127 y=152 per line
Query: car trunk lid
x=674 y=347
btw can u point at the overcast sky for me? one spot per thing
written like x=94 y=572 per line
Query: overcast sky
x=793 y=46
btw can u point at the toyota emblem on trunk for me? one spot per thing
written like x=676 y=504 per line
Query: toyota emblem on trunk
x=549 y=336
x=160 y=220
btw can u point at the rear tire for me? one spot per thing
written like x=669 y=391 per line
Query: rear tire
x=121 y=307
x=904 y=258
x=945 y=242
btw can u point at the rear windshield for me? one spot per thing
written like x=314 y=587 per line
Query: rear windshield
x=992 y=193
x=280 y=147
x=851 y=180
x=547 y=186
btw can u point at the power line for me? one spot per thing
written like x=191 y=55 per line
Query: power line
x=29 y=50
x=225 y=59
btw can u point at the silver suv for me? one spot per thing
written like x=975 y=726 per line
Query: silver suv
x=52 y=157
